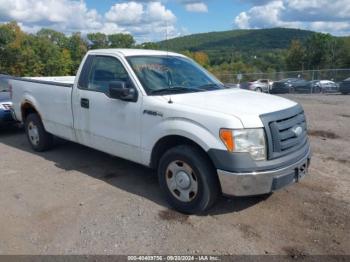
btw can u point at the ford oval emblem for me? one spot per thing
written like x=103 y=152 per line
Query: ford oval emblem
x=297 y=130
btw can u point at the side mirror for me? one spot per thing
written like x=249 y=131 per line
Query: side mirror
x=119 y=90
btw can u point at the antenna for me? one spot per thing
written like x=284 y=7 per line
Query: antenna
x=167 y=53
x=166 y=36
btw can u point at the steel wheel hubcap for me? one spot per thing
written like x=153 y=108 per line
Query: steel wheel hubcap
x=182 y=181
x=33 y=133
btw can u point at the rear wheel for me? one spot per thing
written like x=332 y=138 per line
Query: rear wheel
x=258 y=89
x=38 y=138
x=188 y=179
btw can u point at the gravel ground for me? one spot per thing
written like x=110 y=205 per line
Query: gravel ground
x=75 y=200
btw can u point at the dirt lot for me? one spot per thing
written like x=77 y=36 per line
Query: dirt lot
x=75 y=200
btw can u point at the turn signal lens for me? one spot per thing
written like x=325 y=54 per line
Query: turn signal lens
x=227 y=139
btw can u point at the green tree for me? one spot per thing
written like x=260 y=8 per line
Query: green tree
x=295 y=58
x=121 y=41
x=201 y=58
x=6 y=36
x=53 y=36
x=67 y=62
x=149 y=45
x=77 y=48
x=344 y=55
x=98 y=40
x=318 y=51
x=17 y=54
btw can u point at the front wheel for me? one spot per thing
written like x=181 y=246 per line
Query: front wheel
x=38 y=138
x=189 y=181
x=317 y=90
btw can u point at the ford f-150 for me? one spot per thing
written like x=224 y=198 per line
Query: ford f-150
x=162 y=110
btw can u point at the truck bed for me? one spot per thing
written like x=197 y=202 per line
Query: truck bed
x=51 y=96
x=54 y=79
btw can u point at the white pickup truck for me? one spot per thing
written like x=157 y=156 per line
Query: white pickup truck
x=164 y=111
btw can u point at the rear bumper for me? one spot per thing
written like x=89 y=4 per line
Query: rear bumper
x=262 y=182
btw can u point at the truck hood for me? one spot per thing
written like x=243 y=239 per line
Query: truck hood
x=244 y=105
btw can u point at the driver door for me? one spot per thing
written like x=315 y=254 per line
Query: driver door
x=110 y=125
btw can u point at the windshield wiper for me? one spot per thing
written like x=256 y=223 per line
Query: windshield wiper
x=211 y=86
x=176 y=89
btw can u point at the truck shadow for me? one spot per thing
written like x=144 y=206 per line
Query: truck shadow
x=118 y=172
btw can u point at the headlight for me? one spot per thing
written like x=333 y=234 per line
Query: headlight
x=5 y=106
x=250 y=141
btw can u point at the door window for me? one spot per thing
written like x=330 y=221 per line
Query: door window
x=104 y=70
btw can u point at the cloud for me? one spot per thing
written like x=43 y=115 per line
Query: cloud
x=264 y=16
x=321 y=15
x=157 y=12
x=147 y=20
x=65 y=14
x=125 y=13
x=144 y=20
x=197 y=7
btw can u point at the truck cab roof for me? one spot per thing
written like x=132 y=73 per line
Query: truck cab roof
x=133 y=52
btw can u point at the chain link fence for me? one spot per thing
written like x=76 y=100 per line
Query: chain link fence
x=335 y=75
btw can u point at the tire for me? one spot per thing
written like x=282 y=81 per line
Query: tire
x=203 y=188
x=258 y=89
x=38 y=138
x=317 y=90
x=291 y=90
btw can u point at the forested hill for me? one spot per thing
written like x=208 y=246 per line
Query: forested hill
x=52 y=53
x=238 y=40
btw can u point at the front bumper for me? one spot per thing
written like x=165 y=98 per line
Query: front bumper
x=6 y=117
x=262 y=182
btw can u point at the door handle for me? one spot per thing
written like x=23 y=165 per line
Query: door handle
x=84 y=102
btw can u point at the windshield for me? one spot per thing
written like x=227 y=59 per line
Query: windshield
x=172 y=74
x=3 y=85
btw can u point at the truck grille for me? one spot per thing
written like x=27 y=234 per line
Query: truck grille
x=286 y=131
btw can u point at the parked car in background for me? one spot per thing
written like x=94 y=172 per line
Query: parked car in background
x=5 y=102
x=260 y=85
x=344 y=86
x=300 y=86
x=291 y=85
x=282 y=86
x=265 y=82
x=323 y=86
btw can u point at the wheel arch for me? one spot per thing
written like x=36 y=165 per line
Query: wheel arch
x=27 y=107
x=170 y=141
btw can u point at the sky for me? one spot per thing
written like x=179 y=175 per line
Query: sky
x=154 y=20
